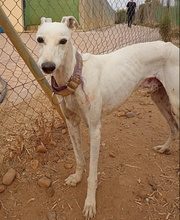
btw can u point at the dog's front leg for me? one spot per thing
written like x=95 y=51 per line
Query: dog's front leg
x=73 y=124
x=90 y=202
x=74 y=132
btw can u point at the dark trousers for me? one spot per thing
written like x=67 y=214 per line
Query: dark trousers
x=130 y=19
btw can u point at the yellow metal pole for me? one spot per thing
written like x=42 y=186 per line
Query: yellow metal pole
x=26 y=56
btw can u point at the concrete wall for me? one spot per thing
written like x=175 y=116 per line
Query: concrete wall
x=95 y=14
x=14 y=11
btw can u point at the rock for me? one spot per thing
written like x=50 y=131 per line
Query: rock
x=130 y=114
x=62 y=153
x=53 y=143
x=63 y=131
x=44 y=182
x=112 y=155
x=50 y=191
x=68 y=165
x=48 y=175
x=52 y=215
x=8 y=178
x=143 y=194
x=41 y=148
x=121 y=113
x=157 y=195
x=2 y=188
x=153 y=184
x=34 y=164
x=103 y=144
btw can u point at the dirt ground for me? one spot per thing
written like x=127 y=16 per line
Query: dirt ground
x=134 y=182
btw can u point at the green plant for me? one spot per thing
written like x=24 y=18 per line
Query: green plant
x=165 y=28
x=120 y=16
x=142 y=13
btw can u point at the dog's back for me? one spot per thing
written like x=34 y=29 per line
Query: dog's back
x=121 y=72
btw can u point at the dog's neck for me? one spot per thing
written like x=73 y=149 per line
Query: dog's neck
x=65 y=71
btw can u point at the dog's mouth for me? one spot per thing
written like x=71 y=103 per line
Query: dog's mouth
x=48 y=67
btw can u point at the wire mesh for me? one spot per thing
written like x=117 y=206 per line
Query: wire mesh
x=103 y=28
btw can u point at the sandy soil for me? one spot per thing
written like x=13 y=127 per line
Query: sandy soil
x=135 y=182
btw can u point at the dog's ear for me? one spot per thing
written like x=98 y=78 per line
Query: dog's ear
x=70 y=21
x=43 y=20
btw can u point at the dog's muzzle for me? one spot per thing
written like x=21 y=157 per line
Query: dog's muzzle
x=48 y=67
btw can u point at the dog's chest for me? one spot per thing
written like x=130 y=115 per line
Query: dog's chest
x=72 y=104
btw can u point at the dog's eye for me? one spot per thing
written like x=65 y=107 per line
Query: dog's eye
x=40 y=40
x=62 y=41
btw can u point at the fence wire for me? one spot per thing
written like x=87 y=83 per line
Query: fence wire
x=103 y=28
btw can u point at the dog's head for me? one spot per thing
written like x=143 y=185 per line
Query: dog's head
x=54 y=39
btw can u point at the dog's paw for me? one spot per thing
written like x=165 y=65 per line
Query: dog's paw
x=89 y=209
x=161 y=149
x=72 y=180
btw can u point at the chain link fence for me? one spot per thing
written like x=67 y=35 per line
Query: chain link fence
x=103 y=28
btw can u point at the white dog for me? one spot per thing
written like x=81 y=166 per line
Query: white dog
x=89 y=85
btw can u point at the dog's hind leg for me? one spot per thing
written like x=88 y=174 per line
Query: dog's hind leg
x=161 y=99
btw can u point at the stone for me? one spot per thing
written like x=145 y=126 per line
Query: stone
x=63 y=131
x=41 y=148
x=68 y=165
x=153 y=184
x=121 y=113
x=34 y=164
x=9 y=177
x=129 y=114
x=50 y=191
x=44 y=182
x=52 y=215
x=112 y=155
x=143 y=194
x=103 y=144
x=2 y=188
x=62 y=153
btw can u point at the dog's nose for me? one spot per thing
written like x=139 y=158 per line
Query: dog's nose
x=48 y=67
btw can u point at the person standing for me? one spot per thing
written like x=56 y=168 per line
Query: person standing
x=130 y=10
